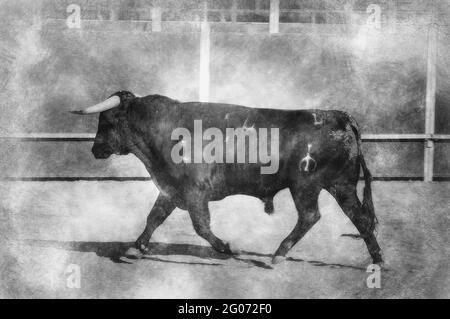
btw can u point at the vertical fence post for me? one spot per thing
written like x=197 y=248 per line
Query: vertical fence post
x=204 y=56
x=234 y=11
x=114 y=8
x=430 y=101
x=257 y=5
x=156 y=18
x=274 y=17
x=392 y=16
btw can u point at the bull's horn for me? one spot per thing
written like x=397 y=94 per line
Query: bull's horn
x=107 y=104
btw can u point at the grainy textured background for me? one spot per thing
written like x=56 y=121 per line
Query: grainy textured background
x=379 y=77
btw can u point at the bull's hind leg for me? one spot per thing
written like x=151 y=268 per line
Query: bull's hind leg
x=201 y=221
x=347 y=198
x=162 y=208
x=308 y=214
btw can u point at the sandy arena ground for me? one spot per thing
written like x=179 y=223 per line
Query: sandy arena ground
x=46 y=227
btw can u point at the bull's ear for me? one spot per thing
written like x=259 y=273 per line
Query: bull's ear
x=126 y=98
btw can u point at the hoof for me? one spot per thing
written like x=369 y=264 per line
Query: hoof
x=225 y=249
x=380 y=264
x=144 y=249
x=278 y=259
x=377 y=259
x=235 y=251
x=133 y=253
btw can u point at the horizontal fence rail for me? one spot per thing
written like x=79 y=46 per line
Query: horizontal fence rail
x=81 y=137
x=233 y=11
x=89 y=137
x=142 y=179
x=243 y=28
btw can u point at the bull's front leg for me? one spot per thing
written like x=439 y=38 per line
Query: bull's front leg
x=160 y=211
x=201 y=219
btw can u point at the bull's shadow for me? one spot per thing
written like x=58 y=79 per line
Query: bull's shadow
x=116 y=250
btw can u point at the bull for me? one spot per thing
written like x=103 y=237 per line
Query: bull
x=317 y=149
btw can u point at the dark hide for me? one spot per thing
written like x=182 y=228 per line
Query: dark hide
x=143 y=127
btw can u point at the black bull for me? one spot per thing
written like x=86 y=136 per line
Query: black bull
x=327 y=141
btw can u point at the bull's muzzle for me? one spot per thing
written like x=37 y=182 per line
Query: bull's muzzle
x=101 y=151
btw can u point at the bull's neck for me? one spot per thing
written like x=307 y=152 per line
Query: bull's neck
x=144 y=151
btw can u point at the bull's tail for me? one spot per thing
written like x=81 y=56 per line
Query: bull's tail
x=367 y=204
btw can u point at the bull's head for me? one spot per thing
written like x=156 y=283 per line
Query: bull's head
x=110 y=138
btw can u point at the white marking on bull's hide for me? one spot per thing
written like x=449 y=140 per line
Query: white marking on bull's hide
x=316 y=122
x=310 y=163
x=227 y=116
